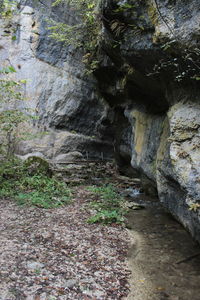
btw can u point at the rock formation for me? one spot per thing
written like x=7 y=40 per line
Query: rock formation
x=144 y=97
x=64 y=100
x=153 y=55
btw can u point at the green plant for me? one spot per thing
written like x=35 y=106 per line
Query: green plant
x=12 y=119
x=83 y=33
x=7 y=7
x=194 y=206
x=106 y=217
x=123 y=7
x=108 y=206
x=37 y=271
x=38 y=189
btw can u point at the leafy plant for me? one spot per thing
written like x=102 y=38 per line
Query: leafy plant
x=38 y=189
x=123 y=7
x=83 y=33
x=12 y=119
x=7 y=7
x=106 y=217
x=108 y=207
x=194 y=206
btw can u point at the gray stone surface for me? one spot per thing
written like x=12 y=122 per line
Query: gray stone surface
x=58 y=92
x=68 y=157
x=35 y=265
x=151 y=68
x=143 y=99
x=55 y=143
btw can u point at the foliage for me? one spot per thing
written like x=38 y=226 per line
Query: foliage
x=7 y=7
x=83 y=33
x=108 y=207
x=38 y=188
x=30 y=182
x=106 y=217
x=12 y=118
x=194 y=206
x=37 y=165
x=182 y=64
x=124 y=7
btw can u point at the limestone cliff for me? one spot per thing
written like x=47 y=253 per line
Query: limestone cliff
x=144 y=97
x=153 y=62
x=64 y=100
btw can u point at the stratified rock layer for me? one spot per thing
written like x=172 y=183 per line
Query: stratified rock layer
x=152 y=50
x=144 y=99
x=65 y=101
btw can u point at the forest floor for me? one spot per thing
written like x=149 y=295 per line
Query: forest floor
x=54 y=254
x=50 y=254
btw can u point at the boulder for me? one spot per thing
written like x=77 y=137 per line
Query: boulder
x=68 y=157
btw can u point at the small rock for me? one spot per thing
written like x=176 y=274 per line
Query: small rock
x=68 y=157
x=34 y=265
x=32 y=154
x=131 y=192
x=70 y=283
x=135 y=206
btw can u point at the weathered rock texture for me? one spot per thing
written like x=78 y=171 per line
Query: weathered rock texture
x=65 y=100
x=153 y=55
x=148 y=75
x=153 y=51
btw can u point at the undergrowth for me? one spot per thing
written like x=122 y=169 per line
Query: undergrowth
x=29 y=186
x=108 y=206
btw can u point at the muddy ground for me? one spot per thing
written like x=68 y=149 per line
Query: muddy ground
x=163 y=258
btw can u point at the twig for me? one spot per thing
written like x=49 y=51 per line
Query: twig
x=161 y=16
x=187 y=258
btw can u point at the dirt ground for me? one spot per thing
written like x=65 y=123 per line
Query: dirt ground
x=55 y=254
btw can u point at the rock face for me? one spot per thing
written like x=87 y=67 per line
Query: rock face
x=144 y=98
x=58 y=92
x=152 y=59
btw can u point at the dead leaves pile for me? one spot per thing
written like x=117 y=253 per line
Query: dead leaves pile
x=54 y=254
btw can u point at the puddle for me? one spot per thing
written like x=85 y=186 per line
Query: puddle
x=163 y=258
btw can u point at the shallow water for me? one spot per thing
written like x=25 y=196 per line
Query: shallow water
x=163 y=258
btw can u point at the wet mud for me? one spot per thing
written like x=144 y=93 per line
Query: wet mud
x=163 y=258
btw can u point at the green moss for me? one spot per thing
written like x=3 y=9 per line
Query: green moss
x=153 y=14
x=154 y=166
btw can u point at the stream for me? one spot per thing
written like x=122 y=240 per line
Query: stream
x=163 y=258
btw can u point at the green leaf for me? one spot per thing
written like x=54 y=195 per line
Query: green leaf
x=23 y=81
x=11 y=69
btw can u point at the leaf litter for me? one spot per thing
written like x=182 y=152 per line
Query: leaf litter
x=54 y=254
